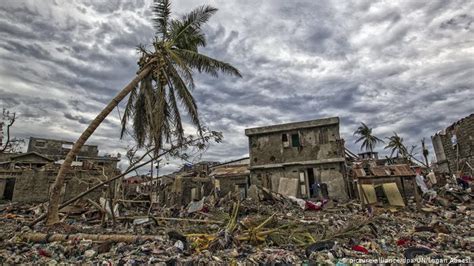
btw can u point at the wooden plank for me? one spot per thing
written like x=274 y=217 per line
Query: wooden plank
x=369 y=190
x=393 y=194
x=288 y=186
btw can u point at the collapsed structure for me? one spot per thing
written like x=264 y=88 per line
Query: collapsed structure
x=27 y=177
x=305 y=160
x=302 y=159
x=254 y=210
x=454 y=147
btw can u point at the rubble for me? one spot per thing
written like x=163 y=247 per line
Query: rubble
x=225 y=230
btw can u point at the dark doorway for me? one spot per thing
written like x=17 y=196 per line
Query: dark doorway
x=311 y=182
x=9 y=186
x=324 y=190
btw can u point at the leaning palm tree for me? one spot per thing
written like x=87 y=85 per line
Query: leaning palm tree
x=164 y=77
x=369 y=141
x=395 y=143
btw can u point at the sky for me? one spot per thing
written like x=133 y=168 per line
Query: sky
x=398 y=66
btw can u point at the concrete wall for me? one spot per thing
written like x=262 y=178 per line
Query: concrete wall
x=228 y=184
x=320 y=150
x=33 y=185
x=55 y=147
x=317 y=143
x=332 y=174
x=446 y=155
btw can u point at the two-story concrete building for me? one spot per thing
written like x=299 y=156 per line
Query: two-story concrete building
x=58 y=149
x=27 y=177
x=290 y=158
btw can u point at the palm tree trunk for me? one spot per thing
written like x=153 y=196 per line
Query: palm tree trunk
x=55 y=195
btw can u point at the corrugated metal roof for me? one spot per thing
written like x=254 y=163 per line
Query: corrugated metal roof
x=385 y=170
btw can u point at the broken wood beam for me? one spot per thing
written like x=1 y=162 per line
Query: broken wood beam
x=97 y=206
x=133 y=201
x=171 y=219
x=42 y=237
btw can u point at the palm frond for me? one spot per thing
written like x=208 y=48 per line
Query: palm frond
x=175 y=114
x=185 y=96
x=181 y=68
x=207 y=64
x=193 y=38
x=128 y=111
x=191 y=23
x=140 y=114
x=161 y=10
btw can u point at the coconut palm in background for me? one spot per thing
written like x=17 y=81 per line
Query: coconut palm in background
x=165 y=76
x=395 y=143
x=369 y=141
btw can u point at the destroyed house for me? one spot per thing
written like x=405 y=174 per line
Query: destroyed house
x=454 y=147
x=391 y=183
x=58 y=149
x=232 y=177
x=27 y=177
x=23 y=160
x=290 y=158
x=190 y=183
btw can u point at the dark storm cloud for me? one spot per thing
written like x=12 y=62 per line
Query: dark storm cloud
x=77 y=118
x=397 y=66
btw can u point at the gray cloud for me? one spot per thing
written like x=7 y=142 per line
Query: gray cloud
x=397 y=66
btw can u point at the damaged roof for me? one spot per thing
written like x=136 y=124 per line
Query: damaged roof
x=238 y=170
x=385 y=171
x=292 y=126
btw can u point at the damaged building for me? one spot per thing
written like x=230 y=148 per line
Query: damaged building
x=290 y=158
x=232 y=177
x=58 y=149
x=27 y=177
x=454 y=147
x=188 y=184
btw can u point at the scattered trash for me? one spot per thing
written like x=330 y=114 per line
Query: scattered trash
x=319 y=246
x=90 y=253
x=273 y=229
x=360 y=249
x=195 y=206
x=411 y=253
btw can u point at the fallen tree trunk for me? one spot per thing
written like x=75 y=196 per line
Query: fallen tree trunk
x=172 y=219
x=41 y=237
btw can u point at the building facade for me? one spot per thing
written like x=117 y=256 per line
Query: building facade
x=58 y=149
x=27 y=177
x=291 y=158
x=232 y=177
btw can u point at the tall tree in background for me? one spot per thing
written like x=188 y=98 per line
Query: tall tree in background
x=164 y=76
x=11 y=145
x=369 y=141
x=395 y=143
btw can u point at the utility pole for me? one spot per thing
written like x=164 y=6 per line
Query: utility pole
x=425 y=151
x=151 y=171
x=1 y=132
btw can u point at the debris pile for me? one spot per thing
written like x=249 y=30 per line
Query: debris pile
x=270 y=228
